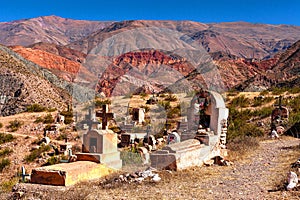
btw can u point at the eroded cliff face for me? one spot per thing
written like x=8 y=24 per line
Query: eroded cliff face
x=61 y=66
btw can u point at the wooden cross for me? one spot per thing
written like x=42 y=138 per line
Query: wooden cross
x=105 y=116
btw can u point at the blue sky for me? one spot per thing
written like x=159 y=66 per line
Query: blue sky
x=255 y=11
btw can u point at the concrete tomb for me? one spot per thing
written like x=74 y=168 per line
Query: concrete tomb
x=100 y=146
x=205 y=139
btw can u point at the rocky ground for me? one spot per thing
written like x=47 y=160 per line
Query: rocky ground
x=259 y=175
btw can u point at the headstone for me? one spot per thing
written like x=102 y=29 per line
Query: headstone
x=292 y=180
x=144 y=154
x=3 y=99
x=60 y=119
x=173 y=138
x=138 y=115
x=100 y=146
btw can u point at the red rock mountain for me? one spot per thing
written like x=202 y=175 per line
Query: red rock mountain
x=64 y=46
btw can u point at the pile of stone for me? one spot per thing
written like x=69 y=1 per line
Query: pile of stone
x=134 y=177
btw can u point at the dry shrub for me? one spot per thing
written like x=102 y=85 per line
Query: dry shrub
x=240 y=146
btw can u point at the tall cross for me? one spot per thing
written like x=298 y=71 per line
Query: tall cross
x=105 y=116
x=90 y=120
x=279 y=102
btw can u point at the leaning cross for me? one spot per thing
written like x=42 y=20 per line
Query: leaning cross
x=105 y=116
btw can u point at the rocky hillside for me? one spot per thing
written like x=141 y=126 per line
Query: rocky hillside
x=281 y=70
x=24 y=83
x=143 y=71
x=49 y=29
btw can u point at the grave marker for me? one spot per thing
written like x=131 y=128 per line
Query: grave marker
x=105 y=116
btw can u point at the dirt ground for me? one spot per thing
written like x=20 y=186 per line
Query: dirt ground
x=260 y=175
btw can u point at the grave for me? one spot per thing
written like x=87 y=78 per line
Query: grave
x=99 y=158
x=173 y=138
x=100 y=146
x=178 y=156
x=207 y=141
x=128 y=138
x=138 y=115
x=66 y=174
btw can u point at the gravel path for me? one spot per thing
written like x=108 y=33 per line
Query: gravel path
x=256 y=176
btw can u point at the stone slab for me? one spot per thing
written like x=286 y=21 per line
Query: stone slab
x=66 y=174
x=111 y=159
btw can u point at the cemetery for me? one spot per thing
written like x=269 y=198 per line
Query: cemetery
x=201 y=141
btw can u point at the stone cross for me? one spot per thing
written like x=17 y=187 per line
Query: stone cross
x=105 y=116
x=90 y=120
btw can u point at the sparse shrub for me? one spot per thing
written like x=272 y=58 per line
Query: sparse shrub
x=68 y=116
x=6 y=138
x=128 y=96
x=37 y=153
x=174 y=112
x=242 y=130
x=171 y=97
x=1 y=125
x=147 y=108
x=130 y=158
x=240 y=145
x=190 y=93
x=240 y=101
x=264 y=93
x=143 y=94
x=62 y=136
x=6 y=186
x=48 y=119
x=51 y=109
x=294 y=90
x=39 y=120
x=260 y=101
x=278 y=91
x=15 y=125
x=55 y=160
x=99 y=103
x=5 y=162
x=36 y=108
x=165 y=104
x=263 y=113
x=5 y=152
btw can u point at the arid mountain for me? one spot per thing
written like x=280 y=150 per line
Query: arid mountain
x=23 y=83
x=241 y=39
x=49 y=29
x=281 y=70
x=148 y=71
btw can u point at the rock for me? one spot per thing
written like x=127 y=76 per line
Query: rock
x=292 y=180
x=156 y=178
